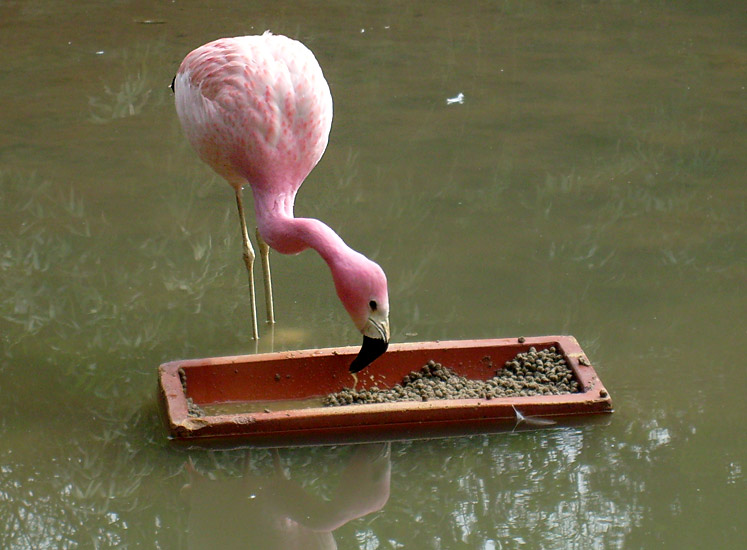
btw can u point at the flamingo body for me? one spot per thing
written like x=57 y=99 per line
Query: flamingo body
x=258 y=110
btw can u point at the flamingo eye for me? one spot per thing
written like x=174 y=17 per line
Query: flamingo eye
x=372 y=305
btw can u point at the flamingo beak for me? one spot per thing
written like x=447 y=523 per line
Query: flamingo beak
x=371 y=349
x=375 y=343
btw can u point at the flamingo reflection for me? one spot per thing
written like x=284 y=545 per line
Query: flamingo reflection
x=277 y=513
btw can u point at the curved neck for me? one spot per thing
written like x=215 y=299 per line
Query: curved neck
x=289 y=235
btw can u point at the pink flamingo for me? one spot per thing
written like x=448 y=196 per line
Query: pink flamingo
x=258 y=110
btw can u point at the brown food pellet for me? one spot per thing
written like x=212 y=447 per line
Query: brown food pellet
x=533 y=372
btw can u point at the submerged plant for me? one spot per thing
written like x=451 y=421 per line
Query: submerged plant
x=128 y=100
x=129 y=97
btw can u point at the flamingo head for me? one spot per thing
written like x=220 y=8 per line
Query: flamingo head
x=362 y=288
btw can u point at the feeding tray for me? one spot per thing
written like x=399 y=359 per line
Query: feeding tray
x=276 y=398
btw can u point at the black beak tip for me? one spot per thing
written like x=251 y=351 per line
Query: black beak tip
x=371 y=349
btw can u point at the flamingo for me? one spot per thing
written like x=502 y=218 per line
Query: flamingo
x=258 y=111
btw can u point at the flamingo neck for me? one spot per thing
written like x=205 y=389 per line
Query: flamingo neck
x=290 y=235
x=356 y=278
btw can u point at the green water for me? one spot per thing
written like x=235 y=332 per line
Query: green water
x=592 y=182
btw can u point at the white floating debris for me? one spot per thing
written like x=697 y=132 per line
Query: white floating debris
x=459 y=98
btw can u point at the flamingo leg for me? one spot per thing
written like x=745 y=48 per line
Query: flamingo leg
x=248 y=261
x=264 y=254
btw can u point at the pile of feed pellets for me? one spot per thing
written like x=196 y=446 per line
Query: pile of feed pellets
x=533 y=372
x=193 y=409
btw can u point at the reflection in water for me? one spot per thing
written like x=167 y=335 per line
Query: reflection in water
x=494 y=492
x=275 y=512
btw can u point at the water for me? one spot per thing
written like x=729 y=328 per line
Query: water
x=591 y=182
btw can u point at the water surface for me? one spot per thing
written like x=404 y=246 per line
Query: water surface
x=592 y=182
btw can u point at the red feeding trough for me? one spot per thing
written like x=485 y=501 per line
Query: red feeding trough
x=275 y=398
